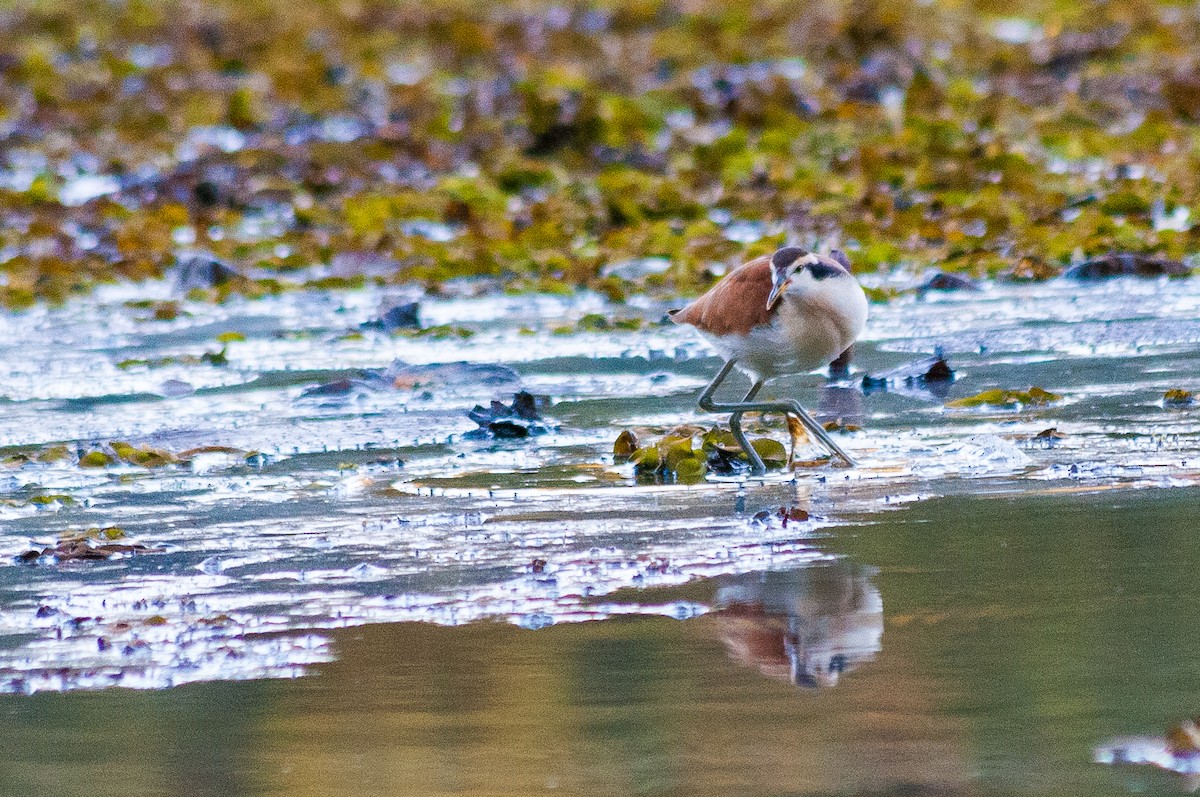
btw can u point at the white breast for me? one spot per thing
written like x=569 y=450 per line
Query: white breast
x=816 y=320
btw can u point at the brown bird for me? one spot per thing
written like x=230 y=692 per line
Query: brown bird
x=792 y=312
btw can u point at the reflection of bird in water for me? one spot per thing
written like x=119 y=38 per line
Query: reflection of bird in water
x=806 y=626
x=788 y=313
x=1178 y=751
x=841 y=404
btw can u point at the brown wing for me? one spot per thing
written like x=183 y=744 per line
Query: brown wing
x=736 y=304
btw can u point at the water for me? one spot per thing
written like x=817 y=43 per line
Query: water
x=1016 y=631
x=363 y=600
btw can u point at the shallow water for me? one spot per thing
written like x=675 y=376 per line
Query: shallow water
x=1015 y=632
x=1031 y=596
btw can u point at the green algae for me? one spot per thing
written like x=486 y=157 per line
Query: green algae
x=1033 y=397
x=443 y=140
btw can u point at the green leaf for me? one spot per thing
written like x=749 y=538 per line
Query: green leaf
x=95 y=459
x=772 y=451
x=625 y=446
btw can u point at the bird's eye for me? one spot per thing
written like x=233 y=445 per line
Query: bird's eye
x=821 y=271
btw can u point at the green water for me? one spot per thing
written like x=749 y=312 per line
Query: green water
x=1018 y=632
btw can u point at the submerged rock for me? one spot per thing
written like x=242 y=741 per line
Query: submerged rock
x=406 y=315
x=338 y=387
x=91 y=544
x=175 y=388
x=946 y=281
x=404 y=376
x=1126 y=264
x=930 y=377
x=203 y=272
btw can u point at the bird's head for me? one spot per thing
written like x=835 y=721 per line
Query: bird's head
x=792 y=263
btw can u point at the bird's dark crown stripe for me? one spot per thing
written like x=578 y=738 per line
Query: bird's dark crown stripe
x=786 y=256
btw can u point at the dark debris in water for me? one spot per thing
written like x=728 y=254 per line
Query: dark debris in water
x=93 y=544
x=522 y=418
x=203 y=272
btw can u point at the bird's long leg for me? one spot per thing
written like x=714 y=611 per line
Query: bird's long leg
x=747 y=405
x=735 y=420
x=735 y=425
x=818 y=431
x=706 y=398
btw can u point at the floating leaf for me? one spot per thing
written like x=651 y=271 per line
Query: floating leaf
x=690 y=470
x=53 y=454
x=624 y=446
x=771 y=451
x=145 y=457
x=95 y=459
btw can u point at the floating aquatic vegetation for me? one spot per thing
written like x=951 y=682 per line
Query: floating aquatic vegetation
x=96 y=459
x=439 y=332
x=598 y=322
x=1178 y=398
x=1033 y=397
x=542 y=163
x=215 y=358
x=686 y=454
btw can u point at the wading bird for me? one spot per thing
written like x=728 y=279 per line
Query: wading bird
x=788 y=313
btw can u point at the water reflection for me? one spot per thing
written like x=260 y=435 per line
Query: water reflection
x=807 y=626
x=841 y=403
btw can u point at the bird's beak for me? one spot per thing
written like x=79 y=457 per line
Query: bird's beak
x=779 y=282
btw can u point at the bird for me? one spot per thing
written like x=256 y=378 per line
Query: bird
x=789 y=312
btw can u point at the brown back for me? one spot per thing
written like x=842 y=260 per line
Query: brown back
x=736 y=304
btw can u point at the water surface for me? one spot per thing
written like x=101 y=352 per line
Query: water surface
x=355 y=595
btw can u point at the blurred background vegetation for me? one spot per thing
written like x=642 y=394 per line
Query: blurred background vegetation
x=626 y=147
